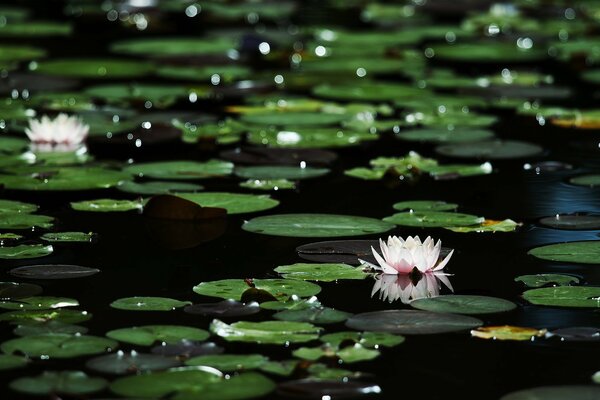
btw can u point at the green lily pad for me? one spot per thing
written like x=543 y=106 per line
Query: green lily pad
x=586 y=180
x=34 y=317
x=157 y=187
x=279 y=172
x=234 y=203
x=122 y=363
x=309 y=137
x=492 y=150
x=24 y=251
x=229 y=362
x=35 y=29
x=193 y=383
x=507 y=225
x=147 y=335
x=92 y=68
x=11 y=145
x=14 y=290
x=13 y=207
x=540 y=280
x=268 y=184
x=107 y=205
x=316 y=225
x=575 y=252
x=49 y=327
x=271 y=332
x=68 y=237
x=9 y=236
x=224 y=73
x=8 y=361
x=168 y=47
x=349 y=354
x=58 y=345
x=565 y=296
x=489 y=52
x=281 y=289
x=366 y=339
x=445 y=135
x=159 y=95
x=148 y=304
x=63 y=178
x=433 y=219
x=464 y=304
x=571 y=392
x=425 y=205
x=181 y=170
x=24 y=221
x=314 y=315
x=321 y=272
x=367 y=91
x=38 y=303
x=293 y=303
x=294 y=118
x=280 y=368
x=64 y=382
x=20 y=53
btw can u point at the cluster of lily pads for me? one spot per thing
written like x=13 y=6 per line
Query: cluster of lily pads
x=265 y=105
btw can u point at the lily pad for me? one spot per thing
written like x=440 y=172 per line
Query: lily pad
x=540 y=280
x=24 y=221
x=445 y=136
x=35 y=317
x=488 y=225
x=14 y=290
x=122 y=363
x=158 y=187
x=234 y=203
x=294 y=118
x=107 y=205
x=314 y=315
x=571 y=392
x=337 y=389
x=279 y=172
x=24 y=251
x=565 y=296
x=507 y=332
x=367 y=91
x=94 y=68
x=149 y=334
x=338 y=251
x=68 y=237
x=574 y=252
x=148 y=304
x=268 y=184
x=38 y=303
x=64 y=382
x=51 y=271
x=316 y=225
x=8 y=361
x=49 y=327
x=464 y=304
x=186 y=349
x=433 y=219
x=410 y=322
x=229 y=362
x=181 y=170
x=572 y=222
x=281 y=289
x=489 y=52
x=321 y=272
x=491 y=150
x=63 y=178
x=366 y=339
x=224 y=309
x=193 y=383
x=32 y=29
x=271 y=332
x=308 y=138
x=175 y=46
x=58 y=345
x=425 y=205
x=578 y=333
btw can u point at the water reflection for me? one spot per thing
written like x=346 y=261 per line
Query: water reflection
x=410 y=287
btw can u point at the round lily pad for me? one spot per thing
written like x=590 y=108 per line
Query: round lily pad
x=445 y=136
x=14 y=290
x=425 y=205
x=571 y=392
x=68 y=237
x=35 y=29
x=272 y=332
x=224 y=309
x=234 y=203
x=25 y=221
x=491 y=150
x=9 y=361
x=464 y=304
x=586 y=180
x=149 y=334
x=58 y=345
x=51 y=271
x=315 y=315
x=107 y=205
x=489 y=52
x=35 y=317
x=63 y=178
x=175 y=46
x=157 y=187
x=20 y=53
x=338 y=251
x=572 y=222
x=94 y=68
x=148 y=304
x=576 y=252
x=122 y=363
x=294 y=118
x=181 y=170
x=278 y=156
x=279 y=172
x=309 y=138
x=280 y=289
x=229 y=362
x=49 y=327
x=540 y=280
x=38 y=303
x=316 y=225
x=565 y=296
x=321 y=272
x=187 y=349
x=410 y=322
x=366 y=91
x=433 y=219
x=51 y=382
x=24 y=251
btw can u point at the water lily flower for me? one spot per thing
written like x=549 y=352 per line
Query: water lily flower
x=63 y=133
x=406 y=288
x=399 y=256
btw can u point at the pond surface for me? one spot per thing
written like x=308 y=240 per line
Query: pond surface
x=308 y=110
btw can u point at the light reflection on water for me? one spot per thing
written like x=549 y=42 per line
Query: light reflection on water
x=407 y=288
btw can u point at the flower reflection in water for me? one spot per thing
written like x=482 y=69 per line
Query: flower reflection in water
x=407 y=287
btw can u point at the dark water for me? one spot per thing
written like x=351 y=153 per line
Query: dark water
x=448 y=366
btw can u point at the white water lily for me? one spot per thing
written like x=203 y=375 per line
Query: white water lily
x=63 y=133
x=403 y=287
x=399 y=256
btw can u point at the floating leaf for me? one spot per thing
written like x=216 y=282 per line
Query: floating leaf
x=157 y=187
x=229 y=362
x=572 y=222
x=279 y=172
x=565 y=296
x=25 y=251
x=425 y=205
x=316 y=389
x=68 y=237
x=25 y=221
x=149 y=334
x=38 y=303
x=281 y=289
x=14 y=290
x=107 y=205
x=579 y=333
x=539 y=280
x=490 y=150
x=224 y=309
x=507 y=332
x=148 y=304
x=349 y=354
x=64 y=382
x=234 y=203
x=110 y=68
x=8 y=361
x=571 y=392
x=586 y=180
x=410 y=322
x=316 y=225
x=12 y=207
x=181 y=170
x=273 y=332
x=366 y=339
x=58 y=345
x=434 y=219
x=575 y=252
x=53 y=271
x=45 y=316
x=464 y=304
x=441 y=135
x=122 y=363
x=321 y=272
x=49 y=327
x=488 y=225
x=63 y=178
x=268 y=184
x=314 y=315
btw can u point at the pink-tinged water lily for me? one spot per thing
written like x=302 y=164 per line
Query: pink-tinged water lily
x=405 y=288
x=399 y=256
x=63 y=133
